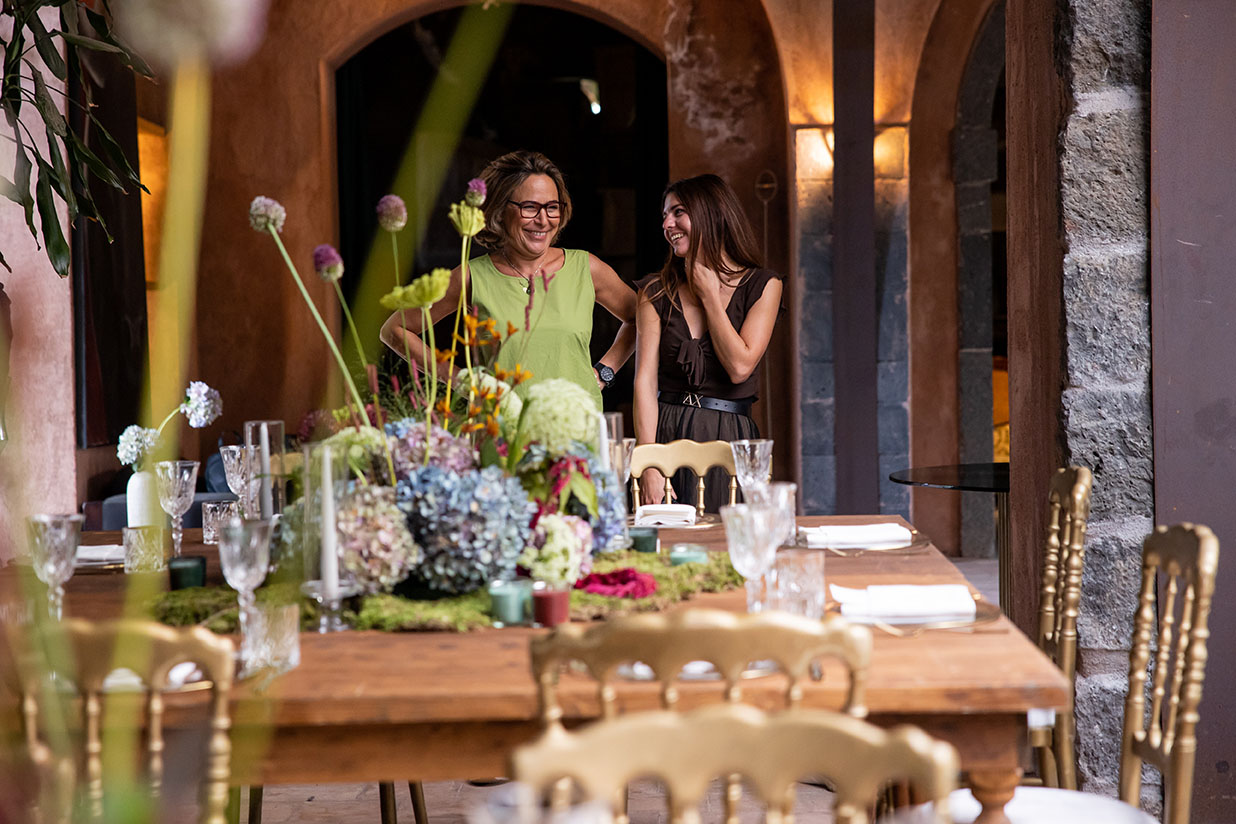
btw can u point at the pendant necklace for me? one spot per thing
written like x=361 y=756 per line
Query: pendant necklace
x=515 y=269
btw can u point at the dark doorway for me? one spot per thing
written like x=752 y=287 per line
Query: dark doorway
x=615 y=160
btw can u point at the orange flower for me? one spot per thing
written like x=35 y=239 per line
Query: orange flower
x=491 y=426
x=511 y=328
x=443 y=409
x=444 y=355
x=473 y=410
x=470 y=427
x=501 y=374
x=519 y=375
x=471 y=321
x=490 y=325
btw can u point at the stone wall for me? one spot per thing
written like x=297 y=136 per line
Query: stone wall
x=1105 y=405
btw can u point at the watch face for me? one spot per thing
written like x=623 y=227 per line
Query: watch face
x=605 y=372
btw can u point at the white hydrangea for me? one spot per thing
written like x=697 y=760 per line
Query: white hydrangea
x=201 y=405
x=136 y=444
x=559 y=412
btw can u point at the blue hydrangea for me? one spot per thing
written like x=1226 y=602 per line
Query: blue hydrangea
x=609 y=527
x=472 y=526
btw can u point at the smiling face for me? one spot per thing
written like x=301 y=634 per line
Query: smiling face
x=676 y=225
x=530 y=237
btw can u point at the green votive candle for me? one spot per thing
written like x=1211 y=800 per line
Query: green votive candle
x=509 y=601
x=644 y=539
x=688 y=554
x=186 y=572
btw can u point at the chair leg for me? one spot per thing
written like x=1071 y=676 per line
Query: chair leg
x=255 y=804
x=232 y=812
x=417 y=790
x=386 y=802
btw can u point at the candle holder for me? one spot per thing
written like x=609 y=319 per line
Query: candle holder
x=329 y=617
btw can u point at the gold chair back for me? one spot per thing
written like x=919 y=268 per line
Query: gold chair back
x=1182 y=560
x=1059 y=600
x=697 y=456
x=688 y=750
x=150 y=650
x=727 y=640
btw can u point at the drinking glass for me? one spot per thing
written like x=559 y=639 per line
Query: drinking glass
x=752 y=463
x=214 y=515
x=265 y=438
x=239 y=464
x=752 y=537
x=799 y=574
x=780 y=495
x=145 y=549
x=244 y=553
x=177 y=483
x=53 y=552
x=613 y=426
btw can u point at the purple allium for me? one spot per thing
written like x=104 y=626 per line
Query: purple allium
x=392 y=213
x=266 y=212
x=327 y=263
x=476 y=192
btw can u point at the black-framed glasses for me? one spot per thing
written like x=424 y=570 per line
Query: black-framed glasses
x=530 y=208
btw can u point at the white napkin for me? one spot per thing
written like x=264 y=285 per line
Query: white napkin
x=665 y=515
x=905 y=603
x=126 y=680
x=105 y=554
x=858 y=536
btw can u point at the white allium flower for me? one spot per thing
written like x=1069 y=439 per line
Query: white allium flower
x=558 y=412
x=201 y=405
x=266 y=211
x=165 y=32
x=136 y=444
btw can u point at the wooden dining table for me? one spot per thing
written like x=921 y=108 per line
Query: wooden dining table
x=368 y=706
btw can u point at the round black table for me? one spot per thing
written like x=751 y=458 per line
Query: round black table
x=973 y=477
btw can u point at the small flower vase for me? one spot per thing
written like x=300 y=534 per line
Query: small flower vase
x=550 y=605
x=142 y=500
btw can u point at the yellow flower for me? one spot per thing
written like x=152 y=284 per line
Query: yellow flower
x=421 y=293
x=468 y=220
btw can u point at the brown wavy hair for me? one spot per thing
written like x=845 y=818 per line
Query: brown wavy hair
x=502 y=177
x=719 y=230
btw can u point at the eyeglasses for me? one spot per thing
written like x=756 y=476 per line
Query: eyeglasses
x=530 y=208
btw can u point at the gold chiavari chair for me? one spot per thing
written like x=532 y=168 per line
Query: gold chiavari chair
x=728 y=641
x=1059 y=599
x=772 y=752
x=149 y=650
x=670 y=457
x=1179 y=561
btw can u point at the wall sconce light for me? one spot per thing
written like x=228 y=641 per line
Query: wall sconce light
x=592 y=91
x=889 y=151
x=813 y=150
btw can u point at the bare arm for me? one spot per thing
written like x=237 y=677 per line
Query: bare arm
x=619 y=299
x=648 y=324
x=402 y=330
x=740 y=351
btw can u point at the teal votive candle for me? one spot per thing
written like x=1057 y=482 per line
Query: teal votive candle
x=688 y=554
x=644 y=539
x=510 y=601
x=186 y=572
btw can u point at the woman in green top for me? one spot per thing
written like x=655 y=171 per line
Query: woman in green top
x=526 y=207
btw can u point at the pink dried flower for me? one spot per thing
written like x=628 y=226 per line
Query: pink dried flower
x=392 y=213
x=476 y=192
x=327 y=263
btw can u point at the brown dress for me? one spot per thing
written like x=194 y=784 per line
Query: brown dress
x=688 y=364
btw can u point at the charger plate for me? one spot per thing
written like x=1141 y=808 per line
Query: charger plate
x=985 y=612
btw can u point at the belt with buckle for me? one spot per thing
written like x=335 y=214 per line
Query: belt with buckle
x=738 y=407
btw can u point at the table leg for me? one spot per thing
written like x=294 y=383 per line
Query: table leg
x=993 y=789
x=1004 y=560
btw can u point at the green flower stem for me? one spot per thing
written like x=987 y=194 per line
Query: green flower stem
x=170 y=415
x=360 y=351
x=459 y=310
x=330 y=339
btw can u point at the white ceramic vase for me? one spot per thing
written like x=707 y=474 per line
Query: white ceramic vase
x=142 y=500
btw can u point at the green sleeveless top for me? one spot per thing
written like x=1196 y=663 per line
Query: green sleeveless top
x=557 y=346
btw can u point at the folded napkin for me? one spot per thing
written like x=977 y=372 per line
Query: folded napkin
x=126 y=680
x=665 y=515
x=106 y=554
x=905 y=603
x=858 y=536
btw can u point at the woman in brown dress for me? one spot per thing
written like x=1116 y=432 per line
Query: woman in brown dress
x=702 y=327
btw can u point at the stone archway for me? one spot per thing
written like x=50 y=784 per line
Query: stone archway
x=935 y=260
x=275 y=135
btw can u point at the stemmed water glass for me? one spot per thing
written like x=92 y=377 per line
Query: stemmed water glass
x=752 y=534
x=780 y=495
x=53 y=550
x=244 y=554
x=239 y=463
x=177 y=483
x=752 y=463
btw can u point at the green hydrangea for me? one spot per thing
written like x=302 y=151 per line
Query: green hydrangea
x=558 y=412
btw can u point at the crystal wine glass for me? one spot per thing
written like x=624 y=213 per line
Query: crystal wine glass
x=780 y=496
x=751 y=532
x=53 y=550
x=239 y=464
x=244 y=554
x=177 y=482
x=752 y=463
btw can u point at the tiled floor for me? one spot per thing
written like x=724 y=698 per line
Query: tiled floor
x=451 y=802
